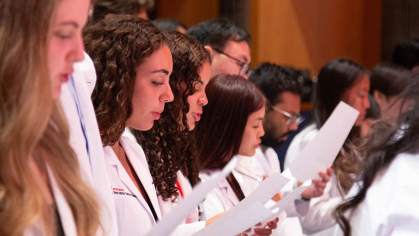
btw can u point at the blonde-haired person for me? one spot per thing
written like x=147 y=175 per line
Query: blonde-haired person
x=41 y=191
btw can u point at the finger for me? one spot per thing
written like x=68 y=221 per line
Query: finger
x=248 y=230
x=325 y=177
x=260 y=231
x=259 y=224
x=329 y=171
x=272 y=224
x=319 y=184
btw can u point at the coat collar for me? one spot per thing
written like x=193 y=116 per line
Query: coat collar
x=137 y=158
x=228 y=191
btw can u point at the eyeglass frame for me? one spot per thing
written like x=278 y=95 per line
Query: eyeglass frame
x=241 y=63
x=291 y=118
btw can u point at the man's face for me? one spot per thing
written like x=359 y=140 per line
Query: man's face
x=222 y=64
x=275 y=123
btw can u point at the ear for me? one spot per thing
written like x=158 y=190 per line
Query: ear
x=379 y=97
x=108 y=15
x=210 y=51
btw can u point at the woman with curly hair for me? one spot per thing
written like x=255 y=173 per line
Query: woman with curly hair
x=339 y=80
x=41 y=188
x=169 y=146
x=133 y=64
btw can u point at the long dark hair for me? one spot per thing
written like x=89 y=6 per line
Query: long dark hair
x=169 y=146
x=336 y=77
x=117 y=46
x=383 y=146
x=389 y=79
x=231 y=99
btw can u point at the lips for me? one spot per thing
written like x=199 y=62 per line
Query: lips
x=64 y=78
x=197 y=116
x=156 y=115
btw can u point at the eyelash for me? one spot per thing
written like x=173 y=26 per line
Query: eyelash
x=157 y=83
x=62 y=36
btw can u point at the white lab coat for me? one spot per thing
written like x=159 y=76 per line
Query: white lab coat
x=133 y=213
x=64 y=212
x=93 y=167
x=191 y=224
x=267 y=162
x=134 y=216
x=320 y=214
x=391 y=205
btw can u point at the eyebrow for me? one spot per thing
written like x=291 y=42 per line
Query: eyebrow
x=200 y=81
x=244 y=58
x=69 y=23
x=161 y=71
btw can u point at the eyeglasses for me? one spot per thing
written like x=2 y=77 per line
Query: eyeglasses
x=291 y=118
x=244 y=67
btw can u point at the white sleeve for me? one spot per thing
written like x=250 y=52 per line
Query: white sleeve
x=213 y=204
x=320 y=215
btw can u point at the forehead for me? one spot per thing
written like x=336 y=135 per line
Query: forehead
x=257 y=115
x=72 y=11
x=362 y=83
x=239 y=50
x=289 y=102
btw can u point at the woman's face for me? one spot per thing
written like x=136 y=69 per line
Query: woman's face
x=357 y=97
x=252 y=133
x=151 y=89
x=66 y=43
x=199 y=98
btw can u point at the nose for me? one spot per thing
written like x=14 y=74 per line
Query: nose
x=367 y=103
x=262 y=131
x=203 y=100
x=167 y=95
x=78 y=49
x=293 y=125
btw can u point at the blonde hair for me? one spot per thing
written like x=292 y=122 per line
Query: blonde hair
x=33 y=126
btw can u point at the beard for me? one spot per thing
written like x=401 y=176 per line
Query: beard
x=274 y=142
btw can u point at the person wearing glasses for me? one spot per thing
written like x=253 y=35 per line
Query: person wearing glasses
x=283 y=92
x=339 y=80
x=227 y=44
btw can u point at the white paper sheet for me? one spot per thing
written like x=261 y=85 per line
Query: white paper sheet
x=280 y=206
x=249 y=217
x=320 y=153
x=265 y=191
x=179 y=213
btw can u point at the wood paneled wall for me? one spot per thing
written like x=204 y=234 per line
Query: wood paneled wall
x=190 y=12
x=309 y=33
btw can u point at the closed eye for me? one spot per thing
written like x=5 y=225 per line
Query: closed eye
x=157 y=83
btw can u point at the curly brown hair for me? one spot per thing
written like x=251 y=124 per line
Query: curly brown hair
x=117 y=46
x=169 y=145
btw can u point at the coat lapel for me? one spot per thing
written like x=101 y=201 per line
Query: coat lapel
x=228 y=192
x=124 y=177
x=64 y=211
x=139 y=162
